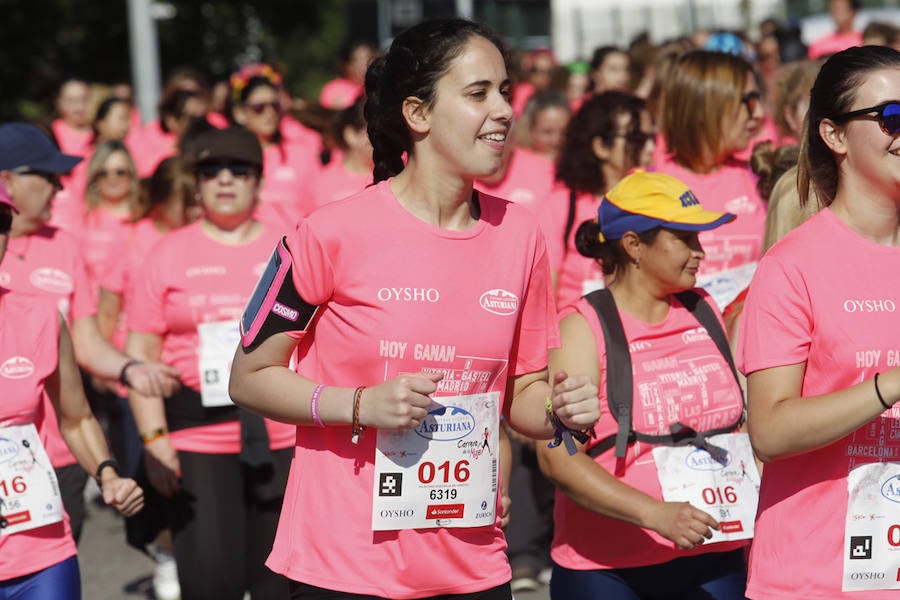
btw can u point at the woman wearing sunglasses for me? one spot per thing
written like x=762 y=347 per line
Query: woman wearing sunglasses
x=821 y=358
x=223 y=469
x=711 y=109
x=289 y=164
x=611 y=134
x=38 y=373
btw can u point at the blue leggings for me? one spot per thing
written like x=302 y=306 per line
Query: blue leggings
x=712 y=576
x=62 y=581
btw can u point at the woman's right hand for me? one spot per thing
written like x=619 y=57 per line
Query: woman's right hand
x=163 y=467
x=681 y=523
x=400 y=403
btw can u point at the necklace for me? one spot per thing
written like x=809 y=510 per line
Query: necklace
x=24 y=252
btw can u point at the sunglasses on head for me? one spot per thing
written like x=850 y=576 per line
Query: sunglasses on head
x=211 y=170
x=6 y=218
x=751 y=100
x=51 y=178
x=259 y=107
x=887 y=114
x=102 y=173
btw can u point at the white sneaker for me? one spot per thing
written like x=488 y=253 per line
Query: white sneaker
x=165 y=577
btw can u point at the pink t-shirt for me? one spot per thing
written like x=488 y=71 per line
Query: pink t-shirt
x=296 y=132
x=67 y=211
x=29 y=340
x=385 y=311
x=826 y=297
x=335 y=182
x=289 y=172
x=103 y=235
x=731 y=188
x=834 y=42
x=187 y=279
x=339 y=93
x=72 y=141
x=679 y=375
x=154 y=145
x=522 y=93
x=49 y=263
x=528 y=180
x=575 y=274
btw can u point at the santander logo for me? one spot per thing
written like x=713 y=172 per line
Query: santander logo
x=52 y=280
x=17 y=367
x=499 y=302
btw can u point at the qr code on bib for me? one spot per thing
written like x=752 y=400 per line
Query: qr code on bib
x=390 y=484
x=860 y=547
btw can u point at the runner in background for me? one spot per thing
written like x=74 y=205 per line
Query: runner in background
x=354 y=57
x=73 y=126
x=621 y=533
x=821 y=418
x=37 y=552
x=438 y=300
x=289 y=167
x=609 y=136
x=711 y=107
x=223 y=469
x=351 y=170
x=610 y=70
x=542 y=127
x=42 y=260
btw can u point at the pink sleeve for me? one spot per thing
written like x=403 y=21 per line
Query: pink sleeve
x=776 y=325
x=552 y=215
x=114 y=277
x=313 y=270
x=538 y=328
x=84 y=295
x=145 y=310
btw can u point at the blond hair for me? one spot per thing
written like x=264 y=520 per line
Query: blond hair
x=92 y=195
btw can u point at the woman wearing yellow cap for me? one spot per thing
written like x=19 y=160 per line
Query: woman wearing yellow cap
x=661 y=502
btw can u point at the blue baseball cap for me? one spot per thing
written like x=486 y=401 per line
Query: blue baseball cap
x=25 y=146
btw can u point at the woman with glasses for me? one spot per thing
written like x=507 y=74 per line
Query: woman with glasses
x=821 y=358
x=37 y=365
x=288 y=166
x=222 y=468
x=710 y=110
x=609 y=135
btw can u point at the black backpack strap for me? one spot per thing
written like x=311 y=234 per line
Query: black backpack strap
x=570 y=221
x=619 y=377
x=703 y=312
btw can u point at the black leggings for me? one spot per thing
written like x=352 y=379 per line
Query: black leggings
x=222 y=545
x=302 y=591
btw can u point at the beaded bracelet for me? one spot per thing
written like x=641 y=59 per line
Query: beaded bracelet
x=154 y=435
x=314 y=405
x=357 y=429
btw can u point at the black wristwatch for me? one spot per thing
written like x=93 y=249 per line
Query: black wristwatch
x=103 y=465
x=123 y=374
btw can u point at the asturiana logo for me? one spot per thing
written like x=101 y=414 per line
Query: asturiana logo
x=51 y=280
x=500 y=302
x=890 y=489
x=700 y=460
x=694 y=335
x=446 y=424
x=17 y=367
x=8 y=449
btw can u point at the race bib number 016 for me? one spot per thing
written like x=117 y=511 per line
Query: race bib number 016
x=727 y=489
x=872 y=530
x=443 y=473
x=29 y=492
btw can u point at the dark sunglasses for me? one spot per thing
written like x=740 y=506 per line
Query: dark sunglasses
x=259 y=107
x=637 y=139
x=6 y=218
x=887 y=114
x=751 y=100
x=51 y=178
x=238 y=169
x=113 y=173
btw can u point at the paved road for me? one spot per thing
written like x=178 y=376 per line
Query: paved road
x=110 y=570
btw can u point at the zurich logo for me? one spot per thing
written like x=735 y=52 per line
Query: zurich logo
x=890 y=489
x=446 y=423
x=700 y=460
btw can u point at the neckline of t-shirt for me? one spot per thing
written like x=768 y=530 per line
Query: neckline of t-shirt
x=198 y=225
x=421 y=225
x=626 y=316
x=846 y=230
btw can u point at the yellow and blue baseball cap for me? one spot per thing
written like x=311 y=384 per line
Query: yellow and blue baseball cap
x=643 y=200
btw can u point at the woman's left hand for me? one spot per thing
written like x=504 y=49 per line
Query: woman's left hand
x=575 y=400
x=124 y=495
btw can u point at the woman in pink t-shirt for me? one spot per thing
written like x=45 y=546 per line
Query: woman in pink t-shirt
x=542 y=128
x=354 y=57
x=711 y=108
x=611 y=134
x=289 y=166
x=433 y=301
x=351 y=170
x=37 y=552
x=223 y=468
x=622 y=531
x=818 y=343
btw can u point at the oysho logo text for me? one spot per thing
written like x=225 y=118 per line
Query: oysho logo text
x=870 y=306
x=407 y=294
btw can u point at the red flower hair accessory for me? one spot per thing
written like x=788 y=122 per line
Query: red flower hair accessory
x=241 y=78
